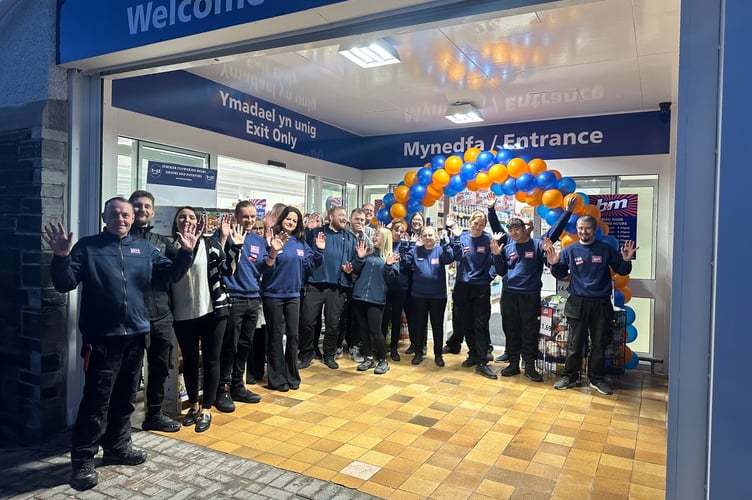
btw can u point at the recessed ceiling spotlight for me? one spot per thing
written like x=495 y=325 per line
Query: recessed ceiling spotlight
x=370 y=55
x=463 y=112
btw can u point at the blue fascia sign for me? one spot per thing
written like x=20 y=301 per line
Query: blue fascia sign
x=189 y=99
x=90 y=28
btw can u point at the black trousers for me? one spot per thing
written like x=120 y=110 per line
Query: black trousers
x=395 y=303
x=520 y=317
x=110 y=386
x=159 y=348
x=423 y=310
x=237 y=342
x=367 y=318
x=472 y=309
x=588 y=317
x=201 y=335
x=331 y=299
x=282 y=321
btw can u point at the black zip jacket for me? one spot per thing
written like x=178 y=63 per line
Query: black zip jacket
x=116 y=276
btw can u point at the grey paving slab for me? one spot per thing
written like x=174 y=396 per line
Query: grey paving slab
x=174 y=470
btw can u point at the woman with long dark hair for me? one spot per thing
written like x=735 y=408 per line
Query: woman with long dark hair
x=200 y=306
x=289 y=258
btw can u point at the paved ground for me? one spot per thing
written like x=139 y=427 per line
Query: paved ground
x=174 y=470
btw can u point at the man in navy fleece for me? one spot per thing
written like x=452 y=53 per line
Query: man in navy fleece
x=243 y=289
x=520 y=262
x=327 y=288
x=588 y=263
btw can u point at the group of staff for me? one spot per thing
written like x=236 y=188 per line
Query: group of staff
x=212 y=290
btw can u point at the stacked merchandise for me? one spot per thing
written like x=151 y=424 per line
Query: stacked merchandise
x=554 y=334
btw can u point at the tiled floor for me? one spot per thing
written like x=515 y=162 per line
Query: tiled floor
x=429 y=432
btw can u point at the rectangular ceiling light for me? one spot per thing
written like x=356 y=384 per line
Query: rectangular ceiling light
x=378 y=53
x=463 y=113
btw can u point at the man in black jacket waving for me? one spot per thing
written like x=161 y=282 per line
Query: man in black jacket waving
x=160 y=343
x=115 y=270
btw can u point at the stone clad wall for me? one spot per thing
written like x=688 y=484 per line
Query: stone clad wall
x=33 y=185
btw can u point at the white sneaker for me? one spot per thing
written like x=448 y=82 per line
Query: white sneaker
x=340 y=353
x=355 y=355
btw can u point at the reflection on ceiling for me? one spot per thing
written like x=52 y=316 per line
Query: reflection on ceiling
x=598 y=57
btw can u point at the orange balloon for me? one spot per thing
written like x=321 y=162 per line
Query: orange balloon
x=401 y=194
x=441 y=177
x=579 y=202
x=552 y=198
x=627 y=293
x=498 y=173
x=521 y=196
x=374 y=221
x=537 y=166
x=592 y=210
x=567 y=239
x=410 y=178
x=533 y=198
x=434 y=191
x=620 y=281
x=472 y=185
x=427 y=201
x=483 y=180
x=471 y=154
x=517 y=166
x=453 y=164
x=397 y=210
x=556 y=173
x=604 y=227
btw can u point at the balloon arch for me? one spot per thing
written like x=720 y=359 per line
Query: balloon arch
x=529 y=181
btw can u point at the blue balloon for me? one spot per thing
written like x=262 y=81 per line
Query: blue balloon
x=383 y=215
x=546 y=180
x=412 y=207
x=503 y=156
x=585 y=198
x=457 y=183
x=631 y=333
x=524 y=157
x=553 y=215
x=598 y=233
x=449 y=192
x=425 y=176
x=613 y=242
x=542 y=211
x=567 y=185
x=509 y=186
x=525 y=182
x=437 y=162
x=633 y=362
x=571 y=226
x=388 y=200
x=417 y=192
x=496 y=188
x=484 y=160
x=630 y=314
x=468 y=171
x=618 y=298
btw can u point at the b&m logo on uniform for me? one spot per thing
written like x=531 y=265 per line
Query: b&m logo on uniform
x=578 y=261
x=597 y=259
x=136 y=251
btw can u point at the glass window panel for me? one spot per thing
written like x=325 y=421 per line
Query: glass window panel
x=242 y=180
x=332 y=194
x=159 y=152
x=125 y=177
x=643 y=308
